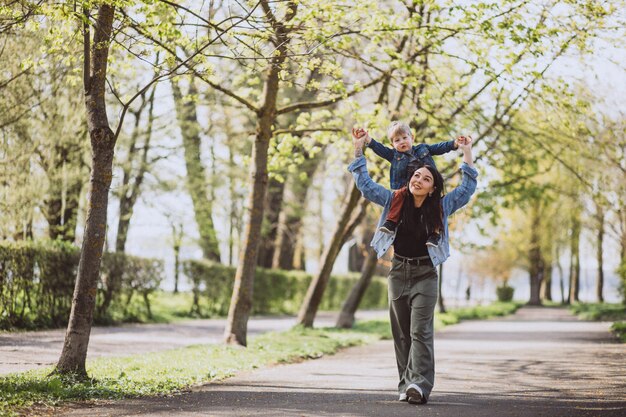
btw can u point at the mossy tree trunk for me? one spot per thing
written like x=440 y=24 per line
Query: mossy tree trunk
x=196 y=179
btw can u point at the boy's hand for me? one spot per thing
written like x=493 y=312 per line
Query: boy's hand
x=461 y=140
x=361 y=133
x=465 y=142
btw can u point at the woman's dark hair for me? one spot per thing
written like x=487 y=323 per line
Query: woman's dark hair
x=431 y=208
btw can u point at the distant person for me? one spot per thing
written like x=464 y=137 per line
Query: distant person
x=468 y=292
x=412 y=282
x=401 y=155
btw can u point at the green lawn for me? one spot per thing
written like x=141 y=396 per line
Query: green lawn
x=604 y=312
x=173 y=370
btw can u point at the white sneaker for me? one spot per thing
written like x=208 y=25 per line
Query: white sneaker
x=402 y=397
x=414 y=394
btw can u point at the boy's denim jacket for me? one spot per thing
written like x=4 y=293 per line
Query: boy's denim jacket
x=378 y=194
x=400 y=160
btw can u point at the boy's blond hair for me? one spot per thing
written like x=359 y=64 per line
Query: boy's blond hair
x=397 y=127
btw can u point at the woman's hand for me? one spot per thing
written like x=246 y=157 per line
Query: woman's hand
x=465 y=144
x=358 y=140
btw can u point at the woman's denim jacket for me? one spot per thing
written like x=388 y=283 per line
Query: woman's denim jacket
x=400 y=160
x=378 y=194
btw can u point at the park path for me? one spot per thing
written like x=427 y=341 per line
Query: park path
x=538 y=362
x=22 y=351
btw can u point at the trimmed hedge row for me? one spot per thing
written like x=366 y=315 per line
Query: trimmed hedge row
x=275 y=291
x=37 y=282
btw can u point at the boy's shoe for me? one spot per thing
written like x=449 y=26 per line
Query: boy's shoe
x=414 y=394
x=433 y=240
x=402 y=397
x=388 y=227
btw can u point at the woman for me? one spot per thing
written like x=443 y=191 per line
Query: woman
x=413 y=278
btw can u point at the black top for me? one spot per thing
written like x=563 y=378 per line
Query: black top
x=411 y=234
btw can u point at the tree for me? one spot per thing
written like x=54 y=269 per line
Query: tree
x=74 y=353
x=103 y=139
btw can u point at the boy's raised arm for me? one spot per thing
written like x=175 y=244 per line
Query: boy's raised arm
x=380 y=149
x=445 y=147
x=442 y=147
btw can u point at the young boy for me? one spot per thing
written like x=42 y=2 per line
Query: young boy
x=400 y=156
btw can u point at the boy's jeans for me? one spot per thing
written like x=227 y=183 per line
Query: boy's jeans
x=412 y=298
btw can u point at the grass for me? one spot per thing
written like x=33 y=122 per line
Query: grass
x=619 y=329
x=171 y=371
x=599 y=311
x=476 y=313
x=166 y=307
x=604 y=312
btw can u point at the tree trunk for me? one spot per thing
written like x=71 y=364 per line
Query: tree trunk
x=74 y=354
x=546 y=282
x=61 y=209
x=351 y=304
x=534 y=257
x=290 y=219
x=318 y=284
x=574 y=275
x=561 y=277
x=241 y=301
x=196 y=181
x=131 y=186
x=234 y=220
x=177 y=237
x=599 y=253
x=273 y=209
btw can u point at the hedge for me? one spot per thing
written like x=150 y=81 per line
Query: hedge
x=37 y=282
x=275 y=291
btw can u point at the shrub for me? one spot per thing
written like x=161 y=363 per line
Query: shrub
x=505 y=293
x=37 y=282
x=275 y=291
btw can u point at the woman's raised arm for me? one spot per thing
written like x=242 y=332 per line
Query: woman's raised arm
x=372 y=191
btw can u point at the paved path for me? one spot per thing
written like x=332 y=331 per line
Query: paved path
x=22 y=351
x=539 y=362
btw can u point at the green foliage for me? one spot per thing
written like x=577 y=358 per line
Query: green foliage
x=604 y=312
x=619 y=329
x=37 y=284
x=599 y=311
x=275 y=291
x=505 y=293
x=621 y=272
x=475 y=313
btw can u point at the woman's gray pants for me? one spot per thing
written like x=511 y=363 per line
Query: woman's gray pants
x=412 y=298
